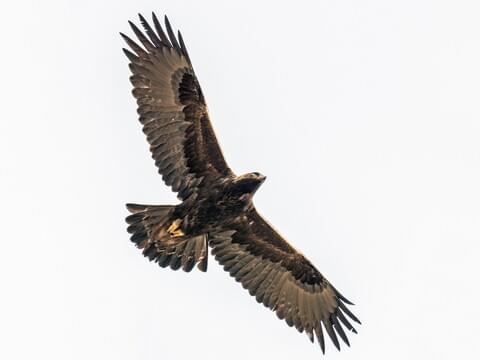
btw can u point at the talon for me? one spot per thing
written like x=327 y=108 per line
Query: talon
x=174 y=229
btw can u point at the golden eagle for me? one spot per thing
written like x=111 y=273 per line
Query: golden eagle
x=216 y=208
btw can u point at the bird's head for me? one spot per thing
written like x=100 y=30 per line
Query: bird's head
x=248 y=183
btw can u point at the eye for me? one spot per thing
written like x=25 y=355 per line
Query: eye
x=256 y=174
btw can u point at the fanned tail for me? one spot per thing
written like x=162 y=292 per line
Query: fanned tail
x=149 y=226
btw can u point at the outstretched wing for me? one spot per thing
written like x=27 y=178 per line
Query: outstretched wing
x=282 y=279
x=172 y=110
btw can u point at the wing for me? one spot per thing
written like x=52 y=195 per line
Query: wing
x=282 y=279
x=172 y=110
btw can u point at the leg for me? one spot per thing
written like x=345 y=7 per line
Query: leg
x=174 y=229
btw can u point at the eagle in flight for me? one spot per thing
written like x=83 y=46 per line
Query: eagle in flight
x=216 y=206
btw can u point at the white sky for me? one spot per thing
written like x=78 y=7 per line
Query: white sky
x=364 y=116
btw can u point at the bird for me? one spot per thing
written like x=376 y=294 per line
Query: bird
x=216 y=208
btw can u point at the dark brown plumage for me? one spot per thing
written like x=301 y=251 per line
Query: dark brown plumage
x=216 y=208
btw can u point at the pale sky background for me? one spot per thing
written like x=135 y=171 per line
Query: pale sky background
x=365 y=117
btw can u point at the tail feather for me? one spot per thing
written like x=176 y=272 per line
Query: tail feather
x=148 y=225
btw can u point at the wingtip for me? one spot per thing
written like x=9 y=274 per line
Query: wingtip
x=320 y=339
x=331 y=334
x=341 y=297
x=345 y=300
x=132 y=25
x=127 y=39
x=167 y=22
x=339 y=329
x=354 y=318
x=344 y=308
x=131 y=56
x=142 y=19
